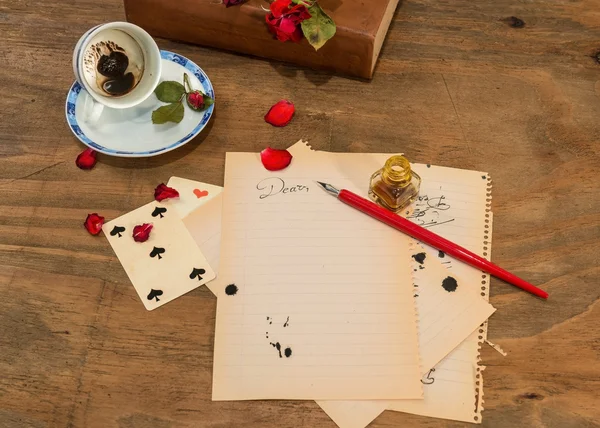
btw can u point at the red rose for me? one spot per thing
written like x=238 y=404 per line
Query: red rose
x=284 y=21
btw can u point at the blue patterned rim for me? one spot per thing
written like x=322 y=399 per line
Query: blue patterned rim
x=166 y=55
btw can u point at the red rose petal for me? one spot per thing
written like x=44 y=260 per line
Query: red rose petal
x=278 y=7
x=163 y=192
x=274 y=159
x=141 y=233
x=86 y=159
x=93 y=223
x=281 y=113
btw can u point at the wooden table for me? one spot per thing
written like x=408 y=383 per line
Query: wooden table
x=456 y=85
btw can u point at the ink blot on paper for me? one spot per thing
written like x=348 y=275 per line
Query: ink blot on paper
x=287 y=322
x=288 y=352
x=420 y=257
x=278 y=347
x=231 y=290
x=449 y=284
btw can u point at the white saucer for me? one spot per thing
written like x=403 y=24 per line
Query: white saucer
x=130 y=132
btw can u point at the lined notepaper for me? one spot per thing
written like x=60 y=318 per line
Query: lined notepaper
x=445 y=320
x=316 y=280
x=455 y=204
x=457 y=392
x=459 y=215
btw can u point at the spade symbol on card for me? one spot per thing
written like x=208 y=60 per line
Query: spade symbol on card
x=159 y=211
x=196 y=273
x=154 y=294
x=157 y=251
x=117 y=230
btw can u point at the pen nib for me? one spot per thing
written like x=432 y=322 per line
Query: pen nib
x=329 y=189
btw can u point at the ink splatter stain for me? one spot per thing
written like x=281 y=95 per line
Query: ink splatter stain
x=231 y=290
x=449 y=284
x=441 y=254
x=514 y=22
x=420 y=257
x=484 y=177
x=278 y=347
x=270 y=320
x=287 y=352
x=287 y=322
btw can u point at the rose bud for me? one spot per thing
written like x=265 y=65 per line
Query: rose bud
x=195 y=100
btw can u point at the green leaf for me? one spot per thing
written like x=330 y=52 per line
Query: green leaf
x=319 y=27
x=208 y=101
x=170 y=113
x=169 y=91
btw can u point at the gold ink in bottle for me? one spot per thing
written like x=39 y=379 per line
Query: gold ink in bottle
x=395 y=185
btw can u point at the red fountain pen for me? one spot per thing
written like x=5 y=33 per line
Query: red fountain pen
x=430 y=238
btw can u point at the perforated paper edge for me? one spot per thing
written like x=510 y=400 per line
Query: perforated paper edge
x=486 y=251
x=413 y=248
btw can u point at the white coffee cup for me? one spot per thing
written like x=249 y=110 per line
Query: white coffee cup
x=119 y=66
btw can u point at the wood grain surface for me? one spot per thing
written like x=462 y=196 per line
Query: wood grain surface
x=456 y=85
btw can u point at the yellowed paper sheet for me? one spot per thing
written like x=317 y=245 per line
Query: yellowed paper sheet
x=445 y=319
x=429 y=291
x=472 y=233
x=313 y=276
x=450 y=389
x=455 y=204
x=204 y=224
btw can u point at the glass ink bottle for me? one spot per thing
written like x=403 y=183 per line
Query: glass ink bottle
x=395 y=185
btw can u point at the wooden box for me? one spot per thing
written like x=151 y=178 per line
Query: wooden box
x=353 y=51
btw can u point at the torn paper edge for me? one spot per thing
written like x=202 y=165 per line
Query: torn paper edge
x=497 y=348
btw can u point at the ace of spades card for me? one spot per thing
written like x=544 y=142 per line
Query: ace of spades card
x=167 y=265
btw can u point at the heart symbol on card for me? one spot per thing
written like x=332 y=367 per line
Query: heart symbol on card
x=200 y=193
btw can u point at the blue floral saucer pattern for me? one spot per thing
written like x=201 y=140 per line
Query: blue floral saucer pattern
x=165 y=55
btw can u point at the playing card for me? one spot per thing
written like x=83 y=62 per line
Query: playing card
x=192 y=194
x=166 y=265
